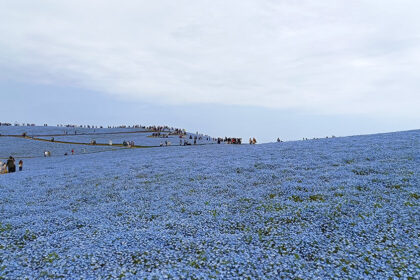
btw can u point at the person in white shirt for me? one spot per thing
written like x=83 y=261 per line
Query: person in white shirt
x=3 y=167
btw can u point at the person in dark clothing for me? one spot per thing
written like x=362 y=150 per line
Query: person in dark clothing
x=11 y=167
x=20 y=165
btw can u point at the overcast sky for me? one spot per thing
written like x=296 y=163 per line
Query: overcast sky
x=243 y=64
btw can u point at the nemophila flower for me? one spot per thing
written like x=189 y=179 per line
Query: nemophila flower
x=330 y=208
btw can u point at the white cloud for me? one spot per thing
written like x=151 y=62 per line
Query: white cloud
x=333 y=56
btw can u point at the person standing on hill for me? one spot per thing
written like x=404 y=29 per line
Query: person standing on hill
x=20 y=165
x=11 y=164
x=3 y=168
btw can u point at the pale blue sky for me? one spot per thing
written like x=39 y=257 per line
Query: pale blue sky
x=262 y=68
x=56 y=105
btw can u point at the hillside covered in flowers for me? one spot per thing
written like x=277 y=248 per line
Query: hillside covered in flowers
x=337 y=208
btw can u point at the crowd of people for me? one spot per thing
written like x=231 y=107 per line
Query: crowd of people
x=159 y=135
x=150 y=127
x=17 y=124
x=316 y=138
x=128 y=144
x=158 y=132
x=178 y=131
x=9 y=166
x=252 y=141
x=228 y=140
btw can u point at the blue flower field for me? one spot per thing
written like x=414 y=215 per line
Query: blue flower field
x=337 y=208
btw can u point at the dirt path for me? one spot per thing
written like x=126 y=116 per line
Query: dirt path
x=89 y=144
x=75 y=143
x=78 y=154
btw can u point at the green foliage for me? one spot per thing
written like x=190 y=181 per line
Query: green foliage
x=194 y=264
x=414 y=195
x=51 y=257
x=344 y=269
x=296 y=198
x=317 y=197
x=5 y=227
x=29 y=236
x=361 y=188
x=213 y=213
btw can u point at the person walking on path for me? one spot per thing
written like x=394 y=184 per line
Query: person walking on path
x=20 y=165
x=11 y=165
